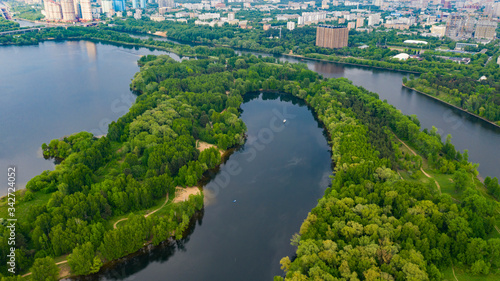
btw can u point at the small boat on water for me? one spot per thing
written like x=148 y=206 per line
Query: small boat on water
x=284 y=120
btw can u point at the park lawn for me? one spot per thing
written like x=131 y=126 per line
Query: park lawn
x=166 y=209
x=158 y=203
x=22 y=208
x=446 y=184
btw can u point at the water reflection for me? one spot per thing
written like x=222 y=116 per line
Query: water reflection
x=274 y=186
x=72 y=86
x=323 y=67
x=125 y=268
x=91 y=49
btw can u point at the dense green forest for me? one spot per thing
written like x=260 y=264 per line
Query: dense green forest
x=372 y=223
x=477 y=92
x=6 y=25
x=145 y=155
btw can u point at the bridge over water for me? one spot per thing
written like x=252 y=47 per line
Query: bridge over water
x=37 y=29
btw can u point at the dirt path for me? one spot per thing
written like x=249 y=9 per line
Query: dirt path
x=421 y=169
x=57 y=263
x=114 y=225
x=452 y=269
x=146 y=215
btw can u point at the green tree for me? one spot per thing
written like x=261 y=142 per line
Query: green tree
x=44 y=269
x=83 y=260
x=460 y=179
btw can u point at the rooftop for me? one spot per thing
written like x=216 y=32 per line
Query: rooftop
x=331 y=26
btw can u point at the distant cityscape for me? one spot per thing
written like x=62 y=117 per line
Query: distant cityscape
x=456 y=19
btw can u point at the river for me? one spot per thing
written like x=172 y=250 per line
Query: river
x=56 y=89
x=254 y=205
x=481 y=139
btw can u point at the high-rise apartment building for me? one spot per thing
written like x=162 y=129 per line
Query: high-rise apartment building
x=166 y=4
x=438 y=30
x=107 y=6
x=329 y=36
x=373 y=19
x=53 y=10
x=118 y=5
x=68 y=10
x=485 y=30
x=78 y=10
x=360 y=22
x=143 y=4
x=313 y=17
x=86 y=10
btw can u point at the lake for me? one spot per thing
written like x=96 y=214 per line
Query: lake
x=254 y=204
x=56 y=89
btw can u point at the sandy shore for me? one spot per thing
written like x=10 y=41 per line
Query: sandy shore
x=182 y=194
x=201 y=145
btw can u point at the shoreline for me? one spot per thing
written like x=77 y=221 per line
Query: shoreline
x=454 y=106
x=350 y=63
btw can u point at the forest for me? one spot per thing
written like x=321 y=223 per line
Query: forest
x=476 y=91
x=146 y=154
x=371 y=224
x=6 y=25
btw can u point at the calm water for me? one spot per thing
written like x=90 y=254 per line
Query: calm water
x=57 y=89
x=480 y=138
x=25 y=23
x=275 y=178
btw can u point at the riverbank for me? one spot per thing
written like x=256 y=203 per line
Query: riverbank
x=454 y=106
x=353 y=64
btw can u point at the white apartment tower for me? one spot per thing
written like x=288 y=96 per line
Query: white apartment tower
x=86 y=10
x=68 y=10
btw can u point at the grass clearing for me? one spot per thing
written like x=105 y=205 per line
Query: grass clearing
x=463 y=275
x=22 y=208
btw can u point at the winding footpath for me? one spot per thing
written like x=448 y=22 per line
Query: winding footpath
x=114 y=226
x=437 y=184
x=57 y=263
x=421 y=169
x=146 y=215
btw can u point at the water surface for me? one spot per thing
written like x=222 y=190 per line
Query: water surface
x=59 y=88
x=255 y=203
